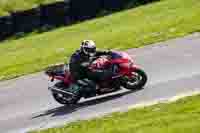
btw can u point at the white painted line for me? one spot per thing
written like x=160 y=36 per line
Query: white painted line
x=164 y=100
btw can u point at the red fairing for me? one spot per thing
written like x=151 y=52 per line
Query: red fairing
x=67 y=78
x=125 y=63
x=100 y=63
x=121 y=59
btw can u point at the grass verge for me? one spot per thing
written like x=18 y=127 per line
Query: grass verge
x=127 y=29
x=182 y=116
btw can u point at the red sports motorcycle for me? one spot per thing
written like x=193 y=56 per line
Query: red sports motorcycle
x=68 y=91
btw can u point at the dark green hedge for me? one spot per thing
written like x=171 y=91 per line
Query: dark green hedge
x=46 y=17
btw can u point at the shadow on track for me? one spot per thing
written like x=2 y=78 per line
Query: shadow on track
x=64 y=110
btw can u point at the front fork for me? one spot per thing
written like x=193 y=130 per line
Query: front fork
x=127 y=73
x=131 y=70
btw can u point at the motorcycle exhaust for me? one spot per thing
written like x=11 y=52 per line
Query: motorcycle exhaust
x=55 y=90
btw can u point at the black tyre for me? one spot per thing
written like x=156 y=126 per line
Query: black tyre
x=137 y=81
x=63 y=98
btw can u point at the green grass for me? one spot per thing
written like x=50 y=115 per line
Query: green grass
x=127 y=29
x=182 y=116
x=7 y=6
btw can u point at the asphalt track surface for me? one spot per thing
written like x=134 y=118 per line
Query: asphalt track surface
x=173 y=68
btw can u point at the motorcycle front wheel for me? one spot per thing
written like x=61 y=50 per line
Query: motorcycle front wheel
x=137 y=81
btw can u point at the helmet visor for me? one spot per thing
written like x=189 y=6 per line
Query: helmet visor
x=90 y=50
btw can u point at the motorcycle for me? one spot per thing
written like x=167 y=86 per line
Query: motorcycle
x=68 y=91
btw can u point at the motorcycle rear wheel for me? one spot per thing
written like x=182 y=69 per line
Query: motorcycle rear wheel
x=65 y=100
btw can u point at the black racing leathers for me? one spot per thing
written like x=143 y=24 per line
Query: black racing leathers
x=79 y=63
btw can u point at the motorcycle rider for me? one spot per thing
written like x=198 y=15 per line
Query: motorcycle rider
x=82 y=58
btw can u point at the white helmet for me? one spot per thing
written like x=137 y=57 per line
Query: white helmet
x=88 y=47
